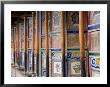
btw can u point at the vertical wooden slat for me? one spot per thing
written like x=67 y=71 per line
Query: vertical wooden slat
x=33 y=26
x=89 y=43
x=86 y=37
x=25 y=43
x=18 y=45
x=47 y=45
x=17 y=42
x=51 y=41
x=37 y=44
x=82 y=42
x=14 y=44
x=65 y=31
x=40 y=59
x=63 y=43
x=27 y=26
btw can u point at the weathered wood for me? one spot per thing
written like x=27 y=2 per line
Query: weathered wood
x=25 y=43
x=40 y=59
x=82 y=42
x=51 y=41
x=14 y=44
x=47 y=44
x=37 y=45
x=33 y=27
x=63 y=43
x=18 y=45
x=21 y=13
x=27 y=26
x=86 y=36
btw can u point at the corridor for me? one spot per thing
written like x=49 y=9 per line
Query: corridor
x=55 y=44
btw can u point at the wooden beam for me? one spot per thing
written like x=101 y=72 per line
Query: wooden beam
x=82 y=42
x=28 y=58
x=47 y=44
x=63 y=43
x=14 y=44
x=86 y=37
x=51 y=39
x=37 y=44
x=33 y=28
x=21 y=14
x=25 y=43
x=18 y=45
x=40 y=59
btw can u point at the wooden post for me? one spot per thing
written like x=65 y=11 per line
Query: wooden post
x=17 y=43
x=18 y=46
x=12 y=40
x=27 y=26
x=39 y=59
x=86 y=37
x=33 y=27
x=37 y=44
x=25 y=43
x=14 y=43
x=63 y=43
x=51 y=40
x=82 y=42
x=47 y=45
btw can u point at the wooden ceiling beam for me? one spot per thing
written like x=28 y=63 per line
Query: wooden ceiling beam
x=21 y=14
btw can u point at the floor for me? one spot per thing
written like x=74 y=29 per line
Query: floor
x=15 y=72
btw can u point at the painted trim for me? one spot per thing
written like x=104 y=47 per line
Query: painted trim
x=94 y=27
x=74 y=31
x=94 y=54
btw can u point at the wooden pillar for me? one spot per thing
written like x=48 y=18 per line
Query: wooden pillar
x=14 y=43
x=40 y=59
x=33 y=28
x=63 y=43
x=51 y=39
x=37 y=44
x=89 y=44
x=82 y=42
x=18 y=45
x=47 y=44
x=25 y=43
x=28 y=58
x=86 y=37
